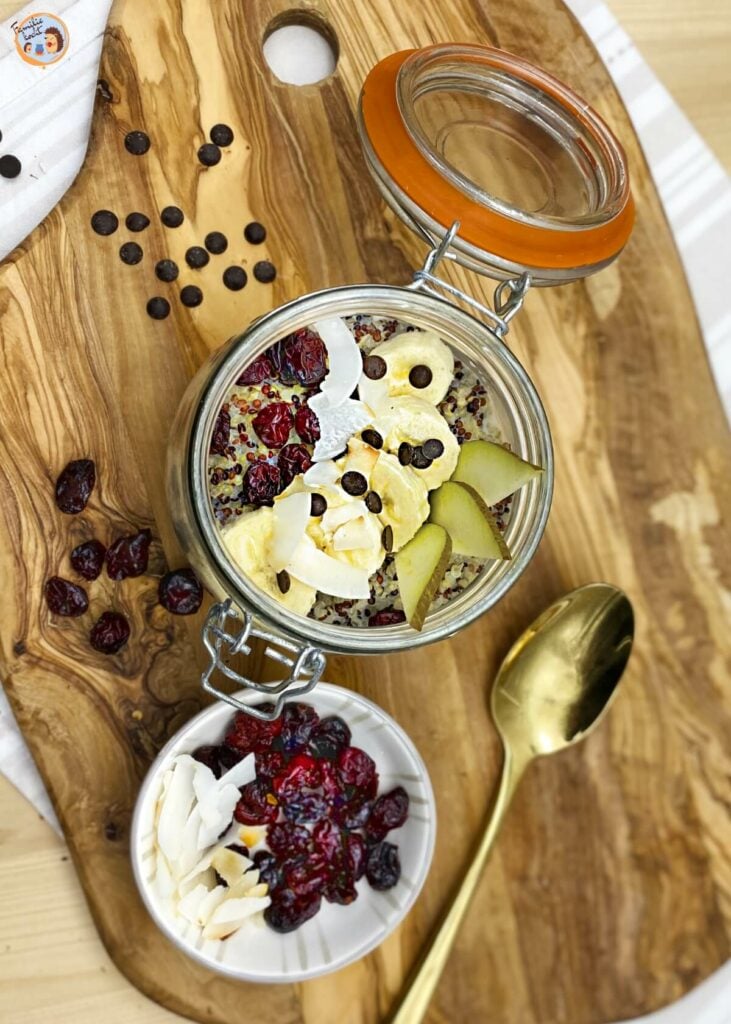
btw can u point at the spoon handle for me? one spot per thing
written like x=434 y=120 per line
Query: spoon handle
x=425 y=976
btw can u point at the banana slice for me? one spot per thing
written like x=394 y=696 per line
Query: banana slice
x=404 y=497
x=401 y=355
x=247 y=541
x=415 y=421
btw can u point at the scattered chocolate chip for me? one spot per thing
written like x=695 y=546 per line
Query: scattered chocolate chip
x=102 y=87
x=255 y=233
x=433 y=448
x=10 y=166
x=221 y=135
x=216 y=242
x=420 y=460
x=354 y=483
x=191 y=295
x=104 y=222
x=405 y=453
x=283 y=581
x=372 y=437
x=136 y=221
x=234 y=278
x=166 y=270
x=209 y=154
x=136 y=143
x=318 y=505
x=196 y=257
x=373 y=502
x=130 y=253
x=420 y=376
x=374 y=367
x=158 y=307
x=264 y=271
x=109 y=633
x=387 y=538
x=172 y=217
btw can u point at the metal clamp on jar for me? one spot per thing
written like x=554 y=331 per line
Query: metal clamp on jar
x=500 y=167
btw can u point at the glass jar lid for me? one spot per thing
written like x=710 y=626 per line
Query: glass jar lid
x=474 y=134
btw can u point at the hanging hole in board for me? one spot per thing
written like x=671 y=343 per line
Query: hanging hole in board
x=300 y=48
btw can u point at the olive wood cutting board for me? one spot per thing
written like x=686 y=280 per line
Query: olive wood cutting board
x=609 y=893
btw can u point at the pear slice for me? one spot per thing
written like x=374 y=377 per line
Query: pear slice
x=493 y=471
x=460 y=510
x=420 y=566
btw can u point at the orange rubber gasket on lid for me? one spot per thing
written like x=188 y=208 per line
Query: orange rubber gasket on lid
x=525 y=244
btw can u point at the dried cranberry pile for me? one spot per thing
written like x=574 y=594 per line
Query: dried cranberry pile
x=180 y=591
x=317 y=796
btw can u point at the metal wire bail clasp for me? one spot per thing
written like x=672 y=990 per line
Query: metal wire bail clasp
x=508 y=296
x=227 y=632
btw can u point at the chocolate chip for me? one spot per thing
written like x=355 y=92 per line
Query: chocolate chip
x=234 y=278
x=130 y=253
x=221 y=135
x=373 y=502
x=209 y=154
x=158 y=308
x=433 y=448
x=420 y=376
x=283 y=581
x=10 y=166
x=387 y=538
x=372 y=437
x=354 y=483
x=172 y=217
x=216 y=242
x=166 y=270
x=104 y=222
x=265 y=271
x=405 y=453
x=196 y=257
x=136 y=221
x=318 y=505
x=420 y=460
x=255 y=233
x=374 y=367
x=191 y=295
x=136 y=143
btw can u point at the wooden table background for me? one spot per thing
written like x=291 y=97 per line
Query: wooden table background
x=52 y=964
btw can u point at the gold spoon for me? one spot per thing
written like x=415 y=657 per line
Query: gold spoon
x=552 y=688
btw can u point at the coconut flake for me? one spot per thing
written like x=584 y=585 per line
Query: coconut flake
x=188 y=906
x=344 y=360
x=335 y=517
x=328 y=575
x=355 y=535
x=176 y=807
x=321 y=474
x=291 y=515
x=337 y=425
x=210 y=902
x=242 y=773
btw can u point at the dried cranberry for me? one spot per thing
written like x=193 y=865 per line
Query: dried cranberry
x=293 y=460
x=262 y=484
x=273 y=423
x=65 y=598
x=300 y=358
x=180 y=592
x=128 y=556
x=332 y=787
x=269 y=872
x=353 y=813
x=221 y=433
x=306 y=878
x=301 y=772
x=306 y=807
x=208 y=756
x=87 y=559
x=228 y=757
x=387 y=617
x=298 y=723
x=74 y=486
x=329 y=738
x=287 y=911
x=307 y=424
x=389 y=811
x=286 y=840
x=327 y=840
x=260 y=370
x=356 y=854
x=383 y=867
x=247 y=733
x=109 y=633
x=257 y=806
x=340 y=887
x=269 y=763
x=356 y=768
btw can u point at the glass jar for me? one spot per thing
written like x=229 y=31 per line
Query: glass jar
x=417 y=117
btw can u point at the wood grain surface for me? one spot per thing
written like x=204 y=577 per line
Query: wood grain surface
x=610 y=890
